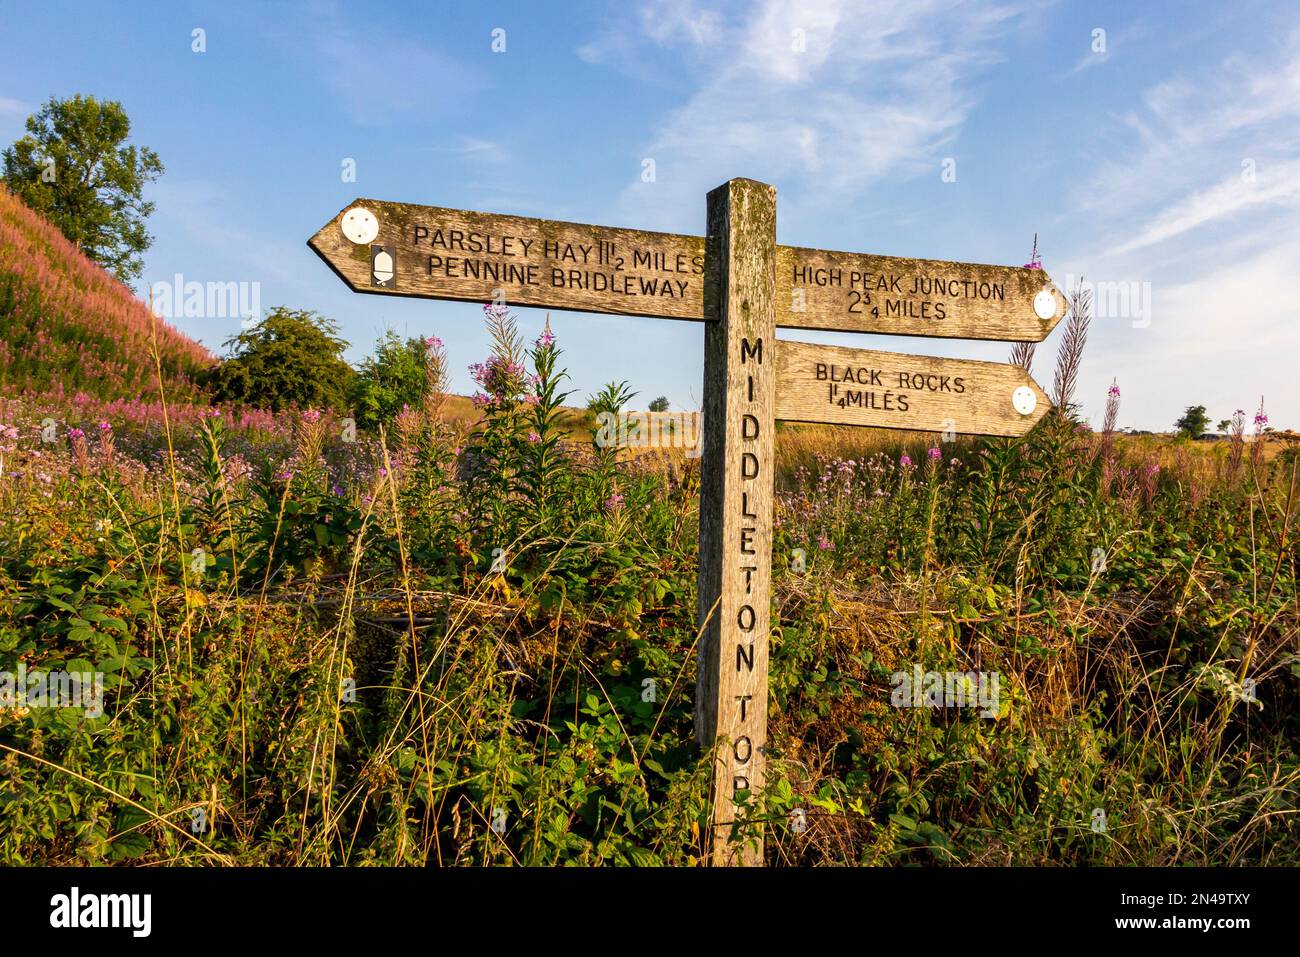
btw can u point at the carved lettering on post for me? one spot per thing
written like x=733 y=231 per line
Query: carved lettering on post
x=736 y=503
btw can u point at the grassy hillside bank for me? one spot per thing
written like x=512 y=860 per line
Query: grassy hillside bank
x=68 y=327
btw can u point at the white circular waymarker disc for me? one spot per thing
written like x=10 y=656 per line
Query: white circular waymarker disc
x=1045 y=304
x=1023 y=400
x=360 y=225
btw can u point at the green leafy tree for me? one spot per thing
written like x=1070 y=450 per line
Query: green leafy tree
x=1194 y=422
x=293 y=357
x=396 y=375
x=75 y=169
x=1224 y=425
x=660 y=404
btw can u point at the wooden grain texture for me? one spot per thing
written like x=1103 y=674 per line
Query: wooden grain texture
x=839 y=385
x=736 y=505
x=855 y=292
x=468 y=256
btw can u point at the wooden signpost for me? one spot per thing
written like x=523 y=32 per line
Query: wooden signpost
x=743 y=286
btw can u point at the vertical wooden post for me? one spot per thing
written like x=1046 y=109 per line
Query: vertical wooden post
x=736 y=502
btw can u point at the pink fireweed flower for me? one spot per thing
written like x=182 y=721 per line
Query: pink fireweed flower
x=823 y=542
x=534 y=437
x=614 y=502
x=905 y=460
x=75 y=433
x=104 y=426
x=934 y=454
x=1113 y=392
x=311 y=415
x=546 y=338
x=432 y=342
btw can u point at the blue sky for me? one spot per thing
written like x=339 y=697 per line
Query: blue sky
x=1170 y=160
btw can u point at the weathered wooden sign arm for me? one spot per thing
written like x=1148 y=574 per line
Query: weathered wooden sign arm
x=845 y=386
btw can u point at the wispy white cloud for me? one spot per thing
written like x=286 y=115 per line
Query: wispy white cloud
x=11 y=107
x=1191 y=131
x=380 y=78
x=1098 y=48
x=665 y=23
x=848 y=90
x=1173 y=204
x=1087 y=61
x=1278 y=185
x=378 y=74
x=472 y=147
x=204 y=212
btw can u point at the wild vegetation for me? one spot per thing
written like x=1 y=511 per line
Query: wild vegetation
x=470 y=639
x=67 y=327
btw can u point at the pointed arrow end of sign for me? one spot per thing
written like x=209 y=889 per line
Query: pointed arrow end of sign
x=1050 y=304
x=1030 y=403
x=344 y=242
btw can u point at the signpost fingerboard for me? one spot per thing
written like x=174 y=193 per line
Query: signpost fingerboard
x=743 y=286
